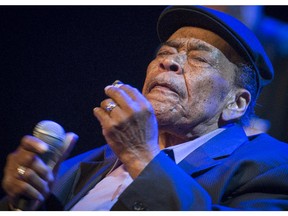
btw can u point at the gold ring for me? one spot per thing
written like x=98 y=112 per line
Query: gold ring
x=21 y=171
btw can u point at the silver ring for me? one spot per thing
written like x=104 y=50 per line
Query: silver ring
x=21 y=171
x=110 y=106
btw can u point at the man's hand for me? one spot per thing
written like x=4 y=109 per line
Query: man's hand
x=130 y=128
x=26 y=175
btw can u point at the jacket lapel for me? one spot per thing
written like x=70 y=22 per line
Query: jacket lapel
x=83 y=182
x=212 y=152
x=203 y=158
x=83 y=173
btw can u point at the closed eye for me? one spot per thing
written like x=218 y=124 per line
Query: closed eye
x=201 y=59
x=164 y=53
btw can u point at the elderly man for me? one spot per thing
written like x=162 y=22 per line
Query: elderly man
x=200 y=88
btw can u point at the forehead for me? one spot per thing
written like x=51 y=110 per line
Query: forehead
x=209 y=37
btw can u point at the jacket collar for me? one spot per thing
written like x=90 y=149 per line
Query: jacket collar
x=97 y=164
x=212 y=152
x=203 y=158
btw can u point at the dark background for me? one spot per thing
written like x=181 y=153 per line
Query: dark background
x=56 y=61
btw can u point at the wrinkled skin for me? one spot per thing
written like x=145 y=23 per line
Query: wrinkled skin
x=193 y=84
x=130 y=128
x=188 y=85
x=187 y=90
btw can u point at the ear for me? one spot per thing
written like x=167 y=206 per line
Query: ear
x=237 y=105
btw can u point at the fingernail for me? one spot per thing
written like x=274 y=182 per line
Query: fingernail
x=50 y=177
x=117 y=83
x=107 y=87
x=43 y=147
x=96 y=111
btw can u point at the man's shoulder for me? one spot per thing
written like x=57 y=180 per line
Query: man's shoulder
x=263 y=147
x=268 y=141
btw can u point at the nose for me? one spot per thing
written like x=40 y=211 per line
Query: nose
x=169 y=64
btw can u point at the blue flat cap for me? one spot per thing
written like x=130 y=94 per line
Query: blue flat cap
x=229 y=28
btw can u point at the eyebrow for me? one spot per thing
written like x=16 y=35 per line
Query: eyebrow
x=198 y=45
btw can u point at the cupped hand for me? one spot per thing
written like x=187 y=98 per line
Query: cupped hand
x=130 y=128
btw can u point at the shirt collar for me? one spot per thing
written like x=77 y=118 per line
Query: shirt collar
x=182 y=150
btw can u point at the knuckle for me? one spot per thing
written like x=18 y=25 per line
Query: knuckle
x=25 y=140
x=20 y=157
x=28 y=174
x=103 y=103
x=27 y=159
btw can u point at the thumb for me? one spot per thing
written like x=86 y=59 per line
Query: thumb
x=69 y=143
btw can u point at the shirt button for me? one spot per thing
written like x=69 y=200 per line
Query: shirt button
x=138 y=206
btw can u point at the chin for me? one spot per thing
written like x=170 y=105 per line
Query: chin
x=165 y=115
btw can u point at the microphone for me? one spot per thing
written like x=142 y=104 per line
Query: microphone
x=53 y=134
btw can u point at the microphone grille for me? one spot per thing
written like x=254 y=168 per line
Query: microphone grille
x=50 y=132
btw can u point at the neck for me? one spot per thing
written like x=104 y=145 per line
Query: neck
x=167 y=139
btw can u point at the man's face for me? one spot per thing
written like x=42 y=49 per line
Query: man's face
x=189 y=81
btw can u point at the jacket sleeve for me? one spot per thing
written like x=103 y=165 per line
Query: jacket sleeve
x=162 y=185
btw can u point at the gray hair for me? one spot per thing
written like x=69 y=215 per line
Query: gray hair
x=245 y=77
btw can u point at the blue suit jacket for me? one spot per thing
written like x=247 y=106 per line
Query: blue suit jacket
x=229 y=172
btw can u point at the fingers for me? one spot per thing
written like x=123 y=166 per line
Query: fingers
x=127 y=99
x=130 y=127
x=119 y=96
x=23 y=189
x=108 y=105
x=33 y=144
x=31 y=182
x=119 y=99
x=123 y=94
x=30 y=147
x=101 y=115
x=123 y=97
x=36 y=183
x=42 y=171
x=25 y=174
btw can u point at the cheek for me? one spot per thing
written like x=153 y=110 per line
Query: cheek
x=219 y=88
x=206 y=93
x=149 y=75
